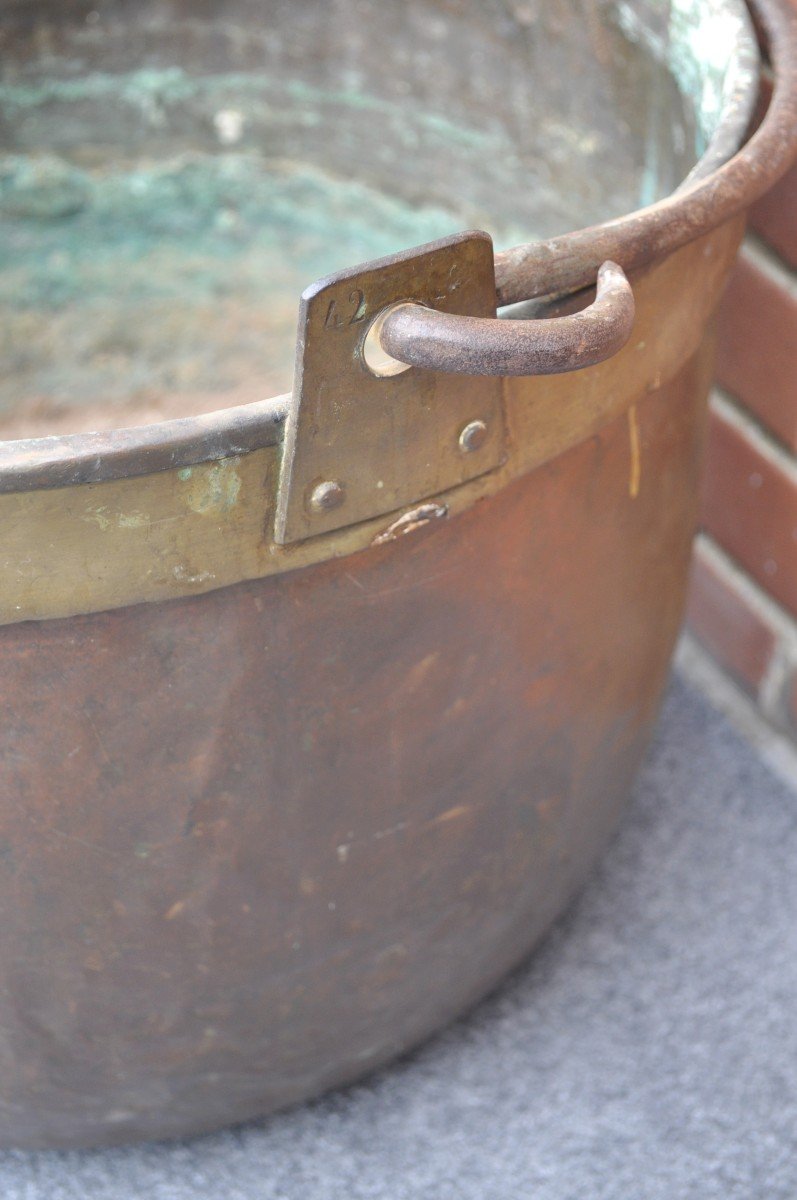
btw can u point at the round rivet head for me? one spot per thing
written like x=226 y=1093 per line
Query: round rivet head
x=473 y=437
x=327 y=495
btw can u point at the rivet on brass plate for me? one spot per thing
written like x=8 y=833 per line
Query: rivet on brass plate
x=327 y=496
x=391 y=440
x=473 y=437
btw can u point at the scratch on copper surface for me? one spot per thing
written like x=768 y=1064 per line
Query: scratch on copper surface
x=417 y=673
x=452 y=814
x=411 y=584
x=96 y=732
x=394 y=829
x=636 y=457
x=72 y=837
x=355 y=581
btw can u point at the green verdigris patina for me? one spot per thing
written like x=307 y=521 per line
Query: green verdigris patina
x=157 y=224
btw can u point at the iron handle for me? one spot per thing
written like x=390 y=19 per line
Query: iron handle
x=440 y=341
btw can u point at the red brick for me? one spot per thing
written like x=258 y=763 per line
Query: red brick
x=774 y=217
x=750 y=508
x=732 y=632
x=757 y=349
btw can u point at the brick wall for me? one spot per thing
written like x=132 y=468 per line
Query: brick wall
x=743 y=600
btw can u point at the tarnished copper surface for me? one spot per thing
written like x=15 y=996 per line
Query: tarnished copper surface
x=270 y=814
x=278 y=833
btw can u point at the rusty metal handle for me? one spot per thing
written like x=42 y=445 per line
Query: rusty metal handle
x=441 y=341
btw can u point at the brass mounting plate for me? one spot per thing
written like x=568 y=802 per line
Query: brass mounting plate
x=359 y=445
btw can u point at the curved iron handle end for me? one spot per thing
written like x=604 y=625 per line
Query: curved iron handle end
x=438 y=341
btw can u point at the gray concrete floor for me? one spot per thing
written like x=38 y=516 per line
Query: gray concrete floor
x=648 y=1050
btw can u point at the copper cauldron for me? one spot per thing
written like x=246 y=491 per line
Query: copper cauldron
x=318 y=709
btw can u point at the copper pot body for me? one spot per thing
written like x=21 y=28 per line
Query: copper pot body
x=271 y=814
x=259 y=841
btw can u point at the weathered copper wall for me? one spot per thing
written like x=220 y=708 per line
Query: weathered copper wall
x=258 y=841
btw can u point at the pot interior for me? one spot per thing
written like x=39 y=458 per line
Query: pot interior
x=174 y=172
